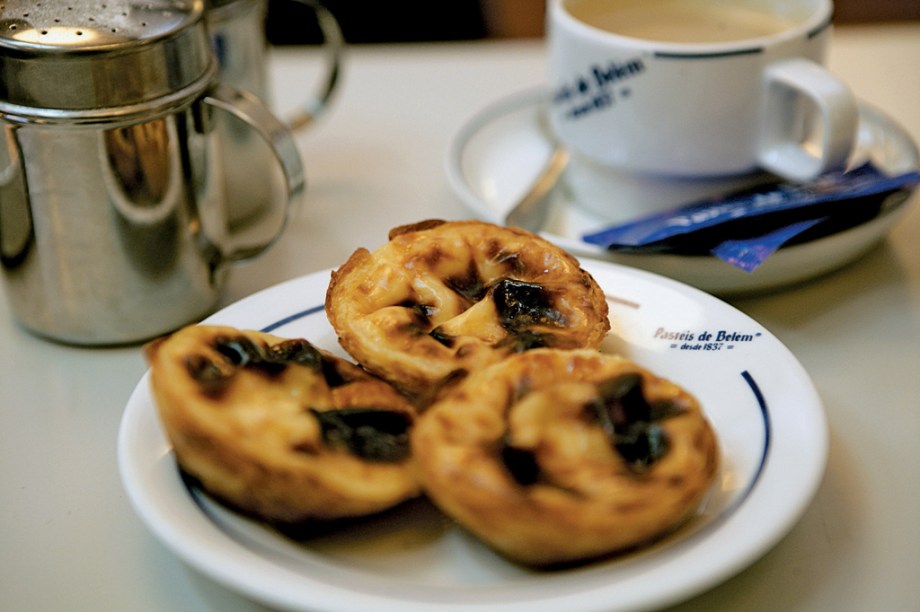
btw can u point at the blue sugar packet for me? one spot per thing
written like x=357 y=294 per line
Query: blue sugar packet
x=746 y=227
x=749 y=254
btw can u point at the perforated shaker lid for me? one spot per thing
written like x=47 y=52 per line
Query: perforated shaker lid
x=58 y=56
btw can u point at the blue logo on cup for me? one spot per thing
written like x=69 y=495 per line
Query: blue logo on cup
x=601 y=86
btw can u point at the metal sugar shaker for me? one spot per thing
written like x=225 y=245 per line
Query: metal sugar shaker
x=113 y=226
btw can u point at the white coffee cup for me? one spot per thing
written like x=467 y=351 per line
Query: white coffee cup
x=695 y=93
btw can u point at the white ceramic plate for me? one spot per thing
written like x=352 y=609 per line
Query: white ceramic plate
x=765 y=410
x=497 y=154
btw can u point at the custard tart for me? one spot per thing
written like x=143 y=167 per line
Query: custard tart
x=279 y=429
x=443 y=298
x=554 y=457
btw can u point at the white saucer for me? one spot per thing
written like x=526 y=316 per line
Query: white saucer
x=498 y=153
x=765 y=410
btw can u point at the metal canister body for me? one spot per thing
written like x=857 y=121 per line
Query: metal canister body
x=113 y=220
x=101 y=227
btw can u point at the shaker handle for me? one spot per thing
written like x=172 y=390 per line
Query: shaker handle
x=334 y=45
x=249 y=109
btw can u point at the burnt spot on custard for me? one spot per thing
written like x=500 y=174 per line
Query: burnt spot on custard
x=524 y=340
x=238 y=352
x=419 y=316
x=371 y=434
x=631 y=422
x=521 y=463
x=511 y=263
x=212 y=376
x=521 y=305
x=442 y=337
x=241 y=352
x=469 y=285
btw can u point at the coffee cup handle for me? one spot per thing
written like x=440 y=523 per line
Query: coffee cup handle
x=249 y=109
x=783 y=151
x=334 y=47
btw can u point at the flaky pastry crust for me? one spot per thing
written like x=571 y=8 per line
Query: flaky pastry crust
x=279 y=429
x=561 y=456
x=442 y=298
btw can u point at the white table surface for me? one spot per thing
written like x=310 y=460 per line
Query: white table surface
x=70 y=541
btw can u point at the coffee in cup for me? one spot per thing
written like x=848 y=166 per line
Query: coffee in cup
x=679 y=21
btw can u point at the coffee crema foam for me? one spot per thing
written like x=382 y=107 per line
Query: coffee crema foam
x=679 y=21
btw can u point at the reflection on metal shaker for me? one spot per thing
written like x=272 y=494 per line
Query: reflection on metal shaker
x=16 y=236
x=116 y=248
x=145 y=183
